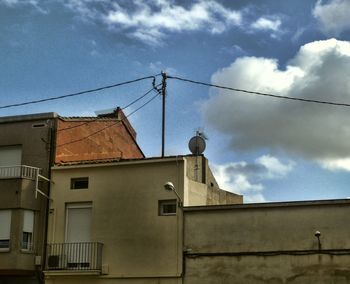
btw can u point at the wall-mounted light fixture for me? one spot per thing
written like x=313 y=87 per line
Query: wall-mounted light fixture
x=318 y=235
x=169 y=186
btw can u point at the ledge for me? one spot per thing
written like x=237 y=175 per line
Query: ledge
x=72 y=272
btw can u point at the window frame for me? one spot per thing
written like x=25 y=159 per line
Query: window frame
x=30 y=243
x=79 y=179
x=165 y=202
x=75 y=205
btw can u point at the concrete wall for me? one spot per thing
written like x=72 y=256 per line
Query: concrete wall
x=204 y=190
x=18 y=194
x=138 y=243
x=268 y=243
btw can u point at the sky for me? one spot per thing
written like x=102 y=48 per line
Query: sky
x=265 y=148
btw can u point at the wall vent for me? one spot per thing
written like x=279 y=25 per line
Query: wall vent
x=39 y=125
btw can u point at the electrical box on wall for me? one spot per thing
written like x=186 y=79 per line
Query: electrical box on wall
x=37 y=260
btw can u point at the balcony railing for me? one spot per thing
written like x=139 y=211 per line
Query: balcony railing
x=21 y=171
x=74 y=256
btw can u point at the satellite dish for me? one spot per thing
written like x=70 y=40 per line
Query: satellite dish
x=197 y=144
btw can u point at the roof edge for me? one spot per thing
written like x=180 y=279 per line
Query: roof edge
x=268 y=205
x=28 y=117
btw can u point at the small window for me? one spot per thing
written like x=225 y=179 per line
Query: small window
x=167 y=207
x=79 y=183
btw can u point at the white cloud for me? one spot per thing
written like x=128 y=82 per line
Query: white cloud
x=34 y=3
x=333 y=16
x=157 y=67
x=247 y=178
x=320 y=71
x=151 y=20
x=264 y=23
x=336 y=164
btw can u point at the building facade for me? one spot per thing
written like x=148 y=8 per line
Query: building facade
x=114 y=222
x=29 y=146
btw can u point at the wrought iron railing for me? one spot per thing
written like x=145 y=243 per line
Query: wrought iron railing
x=20 y=171
x=74 y=256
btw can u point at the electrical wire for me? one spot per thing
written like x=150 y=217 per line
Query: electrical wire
x=123 y=108
x=119 y=121
x=259 y=93
x=81 y=92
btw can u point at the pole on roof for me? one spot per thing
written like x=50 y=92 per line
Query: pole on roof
x=163 y=110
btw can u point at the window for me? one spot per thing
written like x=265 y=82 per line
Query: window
x=79 y=183
x=5 y=229
x=78 y=222
x=167 y=207
x=28 y=229
x=10 y=155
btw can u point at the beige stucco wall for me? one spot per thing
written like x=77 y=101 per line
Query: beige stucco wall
x=138 y=243
x=268 y=243
x=203 y=188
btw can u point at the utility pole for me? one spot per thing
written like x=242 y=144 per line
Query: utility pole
x=163 y=110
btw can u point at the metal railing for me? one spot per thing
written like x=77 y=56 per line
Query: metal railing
x=74 y=256
x=21 y=171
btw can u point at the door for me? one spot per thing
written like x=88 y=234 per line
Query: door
x=78 y=235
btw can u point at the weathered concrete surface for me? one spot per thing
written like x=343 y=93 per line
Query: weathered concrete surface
x=284 y=269
x=268 y=243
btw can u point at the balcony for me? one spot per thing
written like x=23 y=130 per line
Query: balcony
x=22 y=171
x=77 y=257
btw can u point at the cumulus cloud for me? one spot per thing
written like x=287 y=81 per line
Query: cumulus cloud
x=319 y=70
x=151 y=20
x=265 y=23
x=247 y=178
x=333 y=16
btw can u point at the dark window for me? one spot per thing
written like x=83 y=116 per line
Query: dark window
x=4 y=244
x=27 y=241
x=167 y=207
x=79 y=183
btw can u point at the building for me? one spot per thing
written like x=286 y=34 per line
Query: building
x=29 y=146
x=113 y=221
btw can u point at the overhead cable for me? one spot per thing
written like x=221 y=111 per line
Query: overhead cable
x=79 y=93
x=259 y=93
x=102 y=129
x=123 y=108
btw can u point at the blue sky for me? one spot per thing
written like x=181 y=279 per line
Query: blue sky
x=266 y=149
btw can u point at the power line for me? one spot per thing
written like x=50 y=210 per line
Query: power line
x=80 y=93
x=259 y=93
x=119 y=121
x=123 y=108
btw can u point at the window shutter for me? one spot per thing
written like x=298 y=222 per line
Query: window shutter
x=10 y=155
x=79 y=225
x=28 y=221
x=5 y=227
